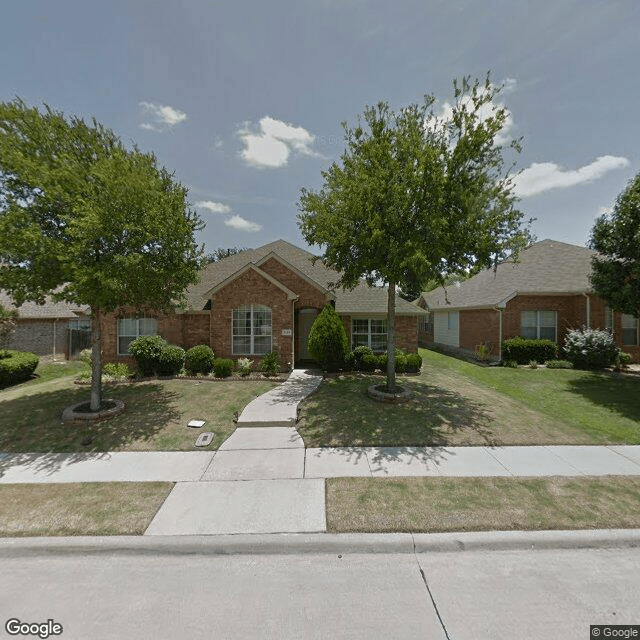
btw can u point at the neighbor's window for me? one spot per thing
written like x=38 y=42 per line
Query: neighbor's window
x=426 y=323
x=369 y=332
x=629 y=330
x=452 y=321
x=538 y=325
x=251 y=332
x=131 y=328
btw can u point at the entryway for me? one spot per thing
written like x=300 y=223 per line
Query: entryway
x=304 y=320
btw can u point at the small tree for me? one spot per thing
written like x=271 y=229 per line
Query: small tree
x=328 y=342
x=615 y=272
x=89 y=222
x=8 y=321
x=417 y=196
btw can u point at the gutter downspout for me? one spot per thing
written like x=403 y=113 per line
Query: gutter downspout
x=499 y=310
x=293 y=335
x=586 y=295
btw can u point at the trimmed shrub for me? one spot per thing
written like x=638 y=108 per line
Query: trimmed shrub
x=147 y=350
x=328 y=343
x=590 y=348
x=414 y=363
x=270 y=364
x=401 y=362
x=222 y=367
x=558 y=364
x=17 y=366
x=199 y=359
x=369 y=363
x=170 y=361
x=358 y=355
x=524 y=350
x=625 y=358
x=116 y=370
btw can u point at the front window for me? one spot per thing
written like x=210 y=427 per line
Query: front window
x=629 y=330
x=538 y=325
x=369 y=332
x=131 y=328
x=251 y=332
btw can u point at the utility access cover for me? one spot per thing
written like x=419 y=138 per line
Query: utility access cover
x=204 y=439
x=196 y=424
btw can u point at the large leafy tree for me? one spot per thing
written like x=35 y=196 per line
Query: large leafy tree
x=87 y=221
x=615 y=272
x=417 y=196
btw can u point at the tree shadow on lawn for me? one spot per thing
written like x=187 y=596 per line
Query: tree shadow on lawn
x=341 y=414
x=32 y=425
x=618 y=393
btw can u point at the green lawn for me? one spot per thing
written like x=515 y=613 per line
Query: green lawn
x=80 y=509
x=461 y=403
x=155 y=418
x=428 y=505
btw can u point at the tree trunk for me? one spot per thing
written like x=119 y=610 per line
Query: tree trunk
x=391 y=338
x=96 y=360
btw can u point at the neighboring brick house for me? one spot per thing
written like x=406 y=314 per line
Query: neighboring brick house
x=54 y=328
x=543 y=295
x=261 y=300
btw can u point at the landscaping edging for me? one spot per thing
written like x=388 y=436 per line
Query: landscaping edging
x=71 y=415
x=404 y=395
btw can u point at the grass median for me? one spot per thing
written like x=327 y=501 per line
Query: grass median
x=385 y=505
x=80 y=509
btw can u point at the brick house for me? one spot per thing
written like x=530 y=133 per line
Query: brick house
x=261 y=300
x=543 y=295
x=53 y=328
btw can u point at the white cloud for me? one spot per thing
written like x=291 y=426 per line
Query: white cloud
x=543 y=176
x=214 y=207
x=161 y=116
x=486 y=110
x=272 y=144
x=241 y=224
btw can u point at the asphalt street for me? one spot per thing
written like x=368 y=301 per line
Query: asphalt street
x=182 y=591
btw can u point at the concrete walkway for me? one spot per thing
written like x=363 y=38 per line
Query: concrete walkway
x=277 y=453
x=279 y=407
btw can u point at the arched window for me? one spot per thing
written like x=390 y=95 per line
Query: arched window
x=251 y=330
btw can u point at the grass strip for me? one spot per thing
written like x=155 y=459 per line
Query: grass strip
x=80 y=509
x=384 y=505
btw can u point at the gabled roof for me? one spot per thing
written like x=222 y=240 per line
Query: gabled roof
x=48 y=310
x=363 y=299
x=546 y=267
x=252 y=267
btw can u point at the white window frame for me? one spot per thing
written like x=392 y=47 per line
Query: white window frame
x=253 y=310
x=369 y=333
x=538 y=326
x=629 y=323
x=138 y=332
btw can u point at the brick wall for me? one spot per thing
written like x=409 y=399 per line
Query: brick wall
x=308 y=295
x=480 y=326
x=251 y=288
x=571 y=312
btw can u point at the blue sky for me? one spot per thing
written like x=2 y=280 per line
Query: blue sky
x=244 y=100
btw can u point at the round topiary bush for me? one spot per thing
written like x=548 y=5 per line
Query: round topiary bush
x=222 y=367
x=170 y=361
x=16 y=366
x=358 y=356
x=328 y=343
x=414 y=363
x=590 y=348
x=199 y=359
x=369 y=363
x=147 y=351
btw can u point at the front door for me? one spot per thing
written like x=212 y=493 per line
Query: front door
x=306 y=318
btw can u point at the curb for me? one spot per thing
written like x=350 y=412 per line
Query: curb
x=320 y=543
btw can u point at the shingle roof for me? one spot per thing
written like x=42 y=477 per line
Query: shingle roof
x=362 y=299
x=548 y=266
x=50 y=309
